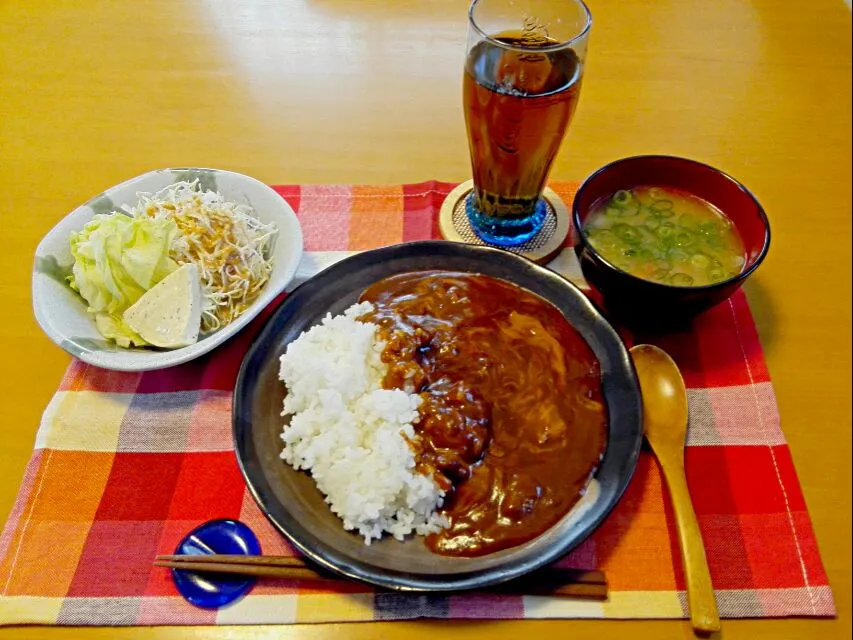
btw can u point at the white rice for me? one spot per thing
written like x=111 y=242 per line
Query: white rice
x=349 y=432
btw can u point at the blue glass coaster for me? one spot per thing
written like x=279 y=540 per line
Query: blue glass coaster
x=505 y=232
x=213 y=590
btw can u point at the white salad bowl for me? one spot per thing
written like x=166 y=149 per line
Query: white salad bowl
x=62 y=314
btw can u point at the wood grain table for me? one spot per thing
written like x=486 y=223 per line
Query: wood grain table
x=320 y=91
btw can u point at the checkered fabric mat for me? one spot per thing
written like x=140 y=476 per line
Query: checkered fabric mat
x=125 y=464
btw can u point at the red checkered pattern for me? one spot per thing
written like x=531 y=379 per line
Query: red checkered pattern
x=125 y=464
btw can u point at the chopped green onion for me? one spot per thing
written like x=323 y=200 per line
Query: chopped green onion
x=700 y=261
x=708 y=228
x=678 y=255
x=665 y=230
x=622 y=197
x=681 y=279
x=688 y=223
x=716 y=275
x=627 y=233
x=660 y=274
x=715 y=242
x=684 y=238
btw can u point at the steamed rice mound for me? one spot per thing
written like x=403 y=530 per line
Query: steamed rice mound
x=350 y=433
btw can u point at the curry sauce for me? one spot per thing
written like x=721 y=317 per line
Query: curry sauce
x=512 y=419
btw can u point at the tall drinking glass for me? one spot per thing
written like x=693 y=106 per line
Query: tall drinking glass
x=521 y=85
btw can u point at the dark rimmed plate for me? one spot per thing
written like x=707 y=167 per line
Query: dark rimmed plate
x=291 y=500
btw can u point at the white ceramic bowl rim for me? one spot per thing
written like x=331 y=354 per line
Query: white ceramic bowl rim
x=61 y=313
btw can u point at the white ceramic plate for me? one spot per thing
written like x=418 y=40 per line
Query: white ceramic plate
x=61 y=313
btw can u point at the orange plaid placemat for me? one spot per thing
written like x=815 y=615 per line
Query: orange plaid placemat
x=126 y=463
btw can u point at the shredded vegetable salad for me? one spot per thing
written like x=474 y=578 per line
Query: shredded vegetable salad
x=231 y=247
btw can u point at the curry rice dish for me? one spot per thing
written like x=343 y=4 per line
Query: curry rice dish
x=451 y=405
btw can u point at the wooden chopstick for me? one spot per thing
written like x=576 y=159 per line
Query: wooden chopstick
x=548 y=581
x=219 y=558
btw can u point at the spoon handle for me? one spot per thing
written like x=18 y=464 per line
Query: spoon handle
x=700 y=591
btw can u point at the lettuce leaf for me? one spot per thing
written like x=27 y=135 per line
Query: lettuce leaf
x=118 y=258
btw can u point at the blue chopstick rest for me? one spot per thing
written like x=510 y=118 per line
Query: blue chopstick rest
x=214 y=590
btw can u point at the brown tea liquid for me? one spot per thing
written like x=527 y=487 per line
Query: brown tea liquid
x=518 y=105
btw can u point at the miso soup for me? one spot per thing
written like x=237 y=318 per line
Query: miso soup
x=665 y=235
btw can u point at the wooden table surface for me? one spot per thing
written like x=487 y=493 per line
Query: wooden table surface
x=297 y=91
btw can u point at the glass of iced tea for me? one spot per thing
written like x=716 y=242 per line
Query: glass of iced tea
x=521 y=85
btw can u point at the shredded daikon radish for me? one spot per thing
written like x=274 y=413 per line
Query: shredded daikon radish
x=229 y=245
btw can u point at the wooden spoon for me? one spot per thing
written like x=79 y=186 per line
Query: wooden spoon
x=665 y=425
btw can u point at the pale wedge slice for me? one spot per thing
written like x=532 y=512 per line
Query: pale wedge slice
x=169 y=314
